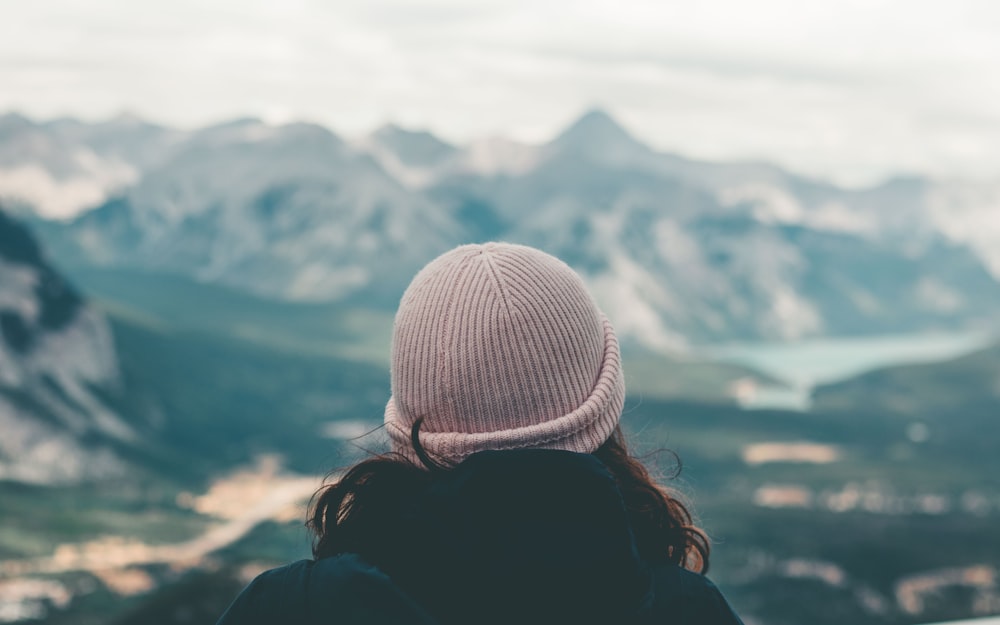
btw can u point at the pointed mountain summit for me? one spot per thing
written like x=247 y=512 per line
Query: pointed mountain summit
x=416 y=148
x=597 y=131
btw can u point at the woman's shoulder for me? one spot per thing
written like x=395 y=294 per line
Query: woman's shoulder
x=275 y=594
x=311 y=591
x=683 y=596
x=345 y=586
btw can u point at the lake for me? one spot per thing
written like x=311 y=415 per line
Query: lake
x=804 y=364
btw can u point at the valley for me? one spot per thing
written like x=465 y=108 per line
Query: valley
x=814 y=504
x=187 y=352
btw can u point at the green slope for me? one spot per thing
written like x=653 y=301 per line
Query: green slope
x=216 y=401
x=969 y=385
x=349 y=331
x=181 y=304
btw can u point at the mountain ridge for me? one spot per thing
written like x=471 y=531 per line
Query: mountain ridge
x=700 y=251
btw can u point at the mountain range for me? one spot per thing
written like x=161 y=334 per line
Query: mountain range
x=232 y=295
x=678 y=251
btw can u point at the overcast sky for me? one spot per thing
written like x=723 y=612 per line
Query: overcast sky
x=847 y=89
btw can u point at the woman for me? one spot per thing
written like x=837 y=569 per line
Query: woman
x=509 y=495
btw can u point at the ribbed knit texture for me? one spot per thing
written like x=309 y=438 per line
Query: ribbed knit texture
x=500 y=346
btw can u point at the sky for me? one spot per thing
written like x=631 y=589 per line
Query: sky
x=852 y=90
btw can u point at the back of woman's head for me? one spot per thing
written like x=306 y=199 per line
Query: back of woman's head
x=500 y=348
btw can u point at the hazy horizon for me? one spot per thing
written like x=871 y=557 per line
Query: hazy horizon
x=852 y=92
x=361 y=137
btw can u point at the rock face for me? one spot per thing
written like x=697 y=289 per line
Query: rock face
x=289 y=212
x=56 y=356
x=679 y=250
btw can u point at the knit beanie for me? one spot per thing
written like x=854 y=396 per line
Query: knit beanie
x=500 y=346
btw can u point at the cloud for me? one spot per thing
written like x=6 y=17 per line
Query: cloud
x=854 y=89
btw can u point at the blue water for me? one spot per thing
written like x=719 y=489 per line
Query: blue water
x=802 y=365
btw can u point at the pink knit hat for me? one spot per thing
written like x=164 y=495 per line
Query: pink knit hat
x=500 y=346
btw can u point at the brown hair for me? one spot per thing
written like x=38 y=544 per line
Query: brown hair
x=663 y=526
x=358 y=512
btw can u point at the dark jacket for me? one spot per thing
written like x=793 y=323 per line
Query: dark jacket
x=531 y=536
